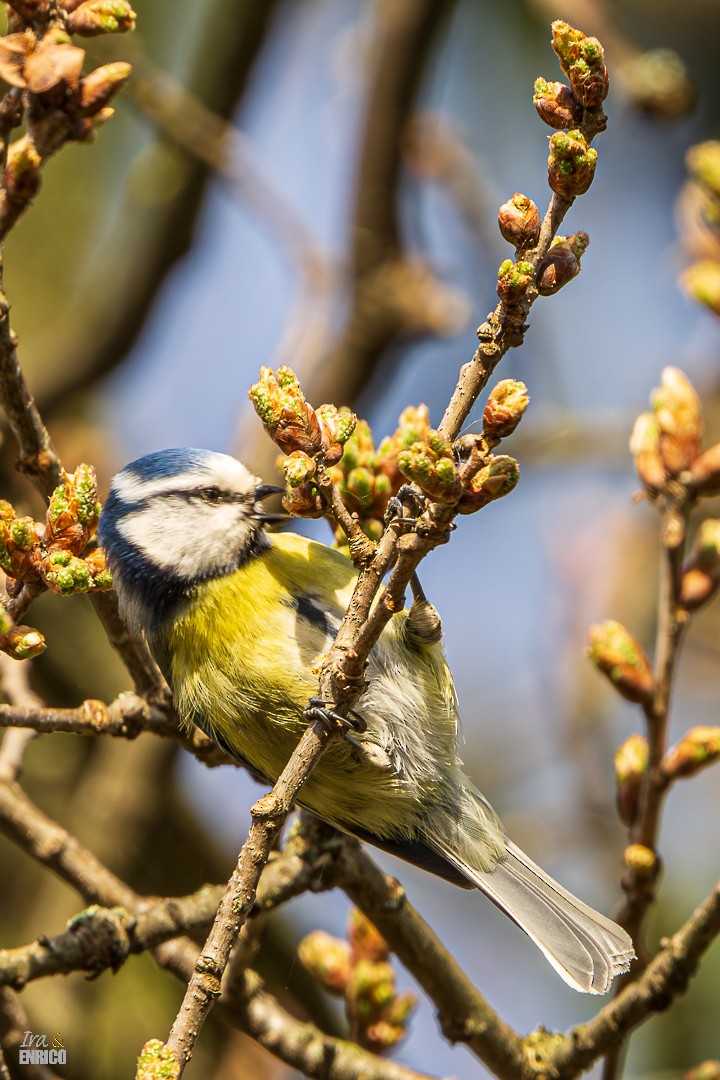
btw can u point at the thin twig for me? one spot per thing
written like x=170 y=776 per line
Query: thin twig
x=268 y=815
x=665 y=977
x=300 y=1045
x=672 y=621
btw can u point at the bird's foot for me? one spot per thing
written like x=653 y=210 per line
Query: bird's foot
x=405 y=507
x=317 y=709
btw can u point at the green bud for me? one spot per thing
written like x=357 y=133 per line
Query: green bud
x=88 y=507
x=59 y=503
x=360 y=484
x=519 y=221
x=101 y=17
x=59 y=558
x=328 y=959
x=22 y=533
x=298 y=468
x=701 y=282
x=618 y=655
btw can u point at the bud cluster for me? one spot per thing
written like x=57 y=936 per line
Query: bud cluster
x=359 y=970
x=616 y=653
x=430 y=463
x=667 y=442
x=306 y=435
x=38 y=57
x=583 y=61
x=575 y=111
x=367 y=477
x=571 y=163
x=52 y=553
x=515 y=279
x=293 y=424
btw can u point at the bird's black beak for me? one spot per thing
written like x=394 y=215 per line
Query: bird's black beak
x=263 y=491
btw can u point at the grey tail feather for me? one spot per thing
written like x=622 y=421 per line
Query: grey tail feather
x=586 y=949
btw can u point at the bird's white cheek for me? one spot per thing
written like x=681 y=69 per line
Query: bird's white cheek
x=189 y=539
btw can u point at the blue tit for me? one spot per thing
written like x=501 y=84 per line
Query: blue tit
x=237 y=620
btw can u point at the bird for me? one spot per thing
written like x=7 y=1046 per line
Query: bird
x=238 y=619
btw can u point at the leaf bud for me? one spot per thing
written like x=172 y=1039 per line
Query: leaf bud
x=493 y=481
x=304 y=501
x=645 y=448
x=701 y=573
x=371 y=988
x=703 y=163
x=562 y=262
x=23 y=643
x=631 y=764
x=514 y=280
x=22 y=172
x=101 y=17
x=286 y=416
x=430 y=464
x=366 y=941
x=703 y=476
x=677 y=411
x=556 y=104
x=642 y=861
x=298 y=468
x=328 y=959
x=583 y=61
x=571 y=163
x=706 y=1070
x=392 y=1028
x=336 y=427
x=658 y=83
x=701 y=282
x=519 y=221
x=700 y=746
x=505 y=408
x=98 y=87
x=617 y=654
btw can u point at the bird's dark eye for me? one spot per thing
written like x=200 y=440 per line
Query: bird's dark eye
x=211 y=495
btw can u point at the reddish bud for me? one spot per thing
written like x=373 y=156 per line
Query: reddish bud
x=571 y=163
x=98 y=87
x=701 y=573
x=519 y=221
x=514 y=280
x=583 y=61
x=677 y=411
x=101 y=17
x=556 y=105
x=562 y=263
x=505 y=408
